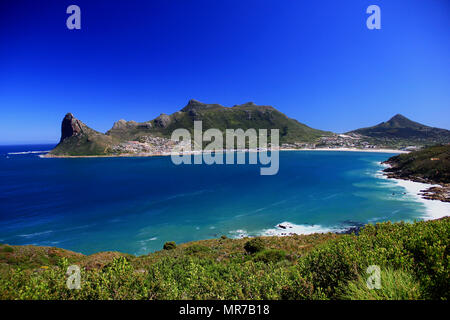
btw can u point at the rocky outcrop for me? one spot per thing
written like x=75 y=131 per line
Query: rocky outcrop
x=70 y=127
x=429 y=165
x=195 y=105
x=163 y=120
x=123 y=124
x=441 y=193
x=77 y=139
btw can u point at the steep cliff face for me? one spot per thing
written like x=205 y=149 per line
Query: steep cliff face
x=70 y=127
x=78 y=139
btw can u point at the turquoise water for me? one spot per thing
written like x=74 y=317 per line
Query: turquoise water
x=134 y=205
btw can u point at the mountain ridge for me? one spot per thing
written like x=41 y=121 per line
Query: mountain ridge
x=77 y=139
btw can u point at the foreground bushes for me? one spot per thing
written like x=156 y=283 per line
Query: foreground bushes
x=413 y=259
x=254 y=245
x=395 y=285
x=420 y=250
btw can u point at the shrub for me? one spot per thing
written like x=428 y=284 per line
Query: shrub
x=196 y=248
x=299 y=289
x=270 y=256
x=395 y=285
x=420 y=249
x=330 y=265
x=254 y=245
x=430 y=249
x=169 y=245
x=223 y=237
x=8 y=249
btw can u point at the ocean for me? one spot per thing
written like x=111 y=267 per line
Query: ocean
x=135 y=205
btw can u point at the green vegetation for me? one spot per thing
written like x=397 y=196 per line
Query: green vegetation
x=243 y=116
x=270 y=256
x=254 y=245
x=7 y=249
x=169 y=245
x=78 y=139
x=395 y=285
x=413 y=259
x=431 y=164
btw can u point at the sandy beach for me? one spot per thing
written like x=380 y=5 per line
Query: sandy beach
x=350 y=149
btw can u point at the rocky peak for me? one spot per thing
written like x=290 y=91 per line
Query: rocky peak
x=163 y=120
x=399 y=118
x=194 y=102
x=70 y=126
x=123 y=124
x=400 y=121
x=193 y=105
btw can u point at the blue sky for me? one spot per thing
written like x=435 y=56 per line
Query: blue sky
x=315 y=61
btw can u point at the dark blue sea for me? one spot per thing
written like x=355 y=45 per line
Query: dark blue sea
x=134 y=205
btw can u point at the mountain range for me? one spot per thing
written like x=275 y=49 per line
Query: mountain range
x=78 y=139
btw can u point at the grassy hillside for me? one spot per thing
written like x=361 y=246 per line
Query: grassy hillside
x=243 y=116
x=84 y=145
x=431 y=164
x=413 y=258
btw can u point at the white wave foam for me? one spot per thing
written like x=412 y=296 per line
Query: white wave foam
x=34 y=234
x=28 y=152
x=146 y=240
x=434 y=209
x=287 y=228
x=238 y=234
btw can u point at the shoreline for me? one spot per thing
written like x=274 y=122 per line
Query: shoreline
x=435 y=208
x=350 y=150
x=134 y=155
